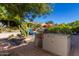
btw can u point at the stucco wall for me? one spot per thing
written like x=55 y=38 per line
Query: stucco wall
x=75 y=40
x=56 y=43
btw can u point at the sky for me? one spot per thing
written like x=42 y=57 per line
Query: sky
x=62 y=13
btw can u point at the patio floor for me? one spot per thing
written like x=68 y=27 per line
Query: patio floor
x=30 y=50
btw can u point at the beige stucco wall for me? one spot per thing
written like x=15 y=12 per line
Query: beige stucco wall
x=56 y=43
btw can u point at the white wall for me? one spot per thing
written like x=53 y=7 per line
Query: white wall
x=56 y=43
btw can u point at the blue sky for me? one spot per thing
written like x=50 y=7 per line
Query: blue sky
x=62 y=13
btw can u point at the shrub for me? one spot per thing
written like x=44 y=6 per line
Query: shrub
x=54 y=29
x=61 y=29
x=75 y=28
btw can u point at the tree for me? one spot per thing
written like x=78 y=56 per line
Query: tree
x=30 y=11
x=49 y=22
x=76 y=23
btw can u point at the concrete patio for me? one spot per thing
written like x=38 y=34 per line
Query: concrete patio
x=30 y=50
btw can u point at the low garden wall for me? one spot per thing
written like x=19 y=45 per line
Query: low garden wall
x=75 y=40
x=58 y=44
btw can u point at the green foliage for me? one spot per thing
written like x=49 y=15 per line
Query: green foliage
x=65 y=29
x=49 y=22
x=17 y=11
x=75 y=26
x=75 y=23
x=32 y=25
x=23 y=29
x=29 y=24
x=35 y=26
x=10 y=23
x=3 y=13
x=13 y=11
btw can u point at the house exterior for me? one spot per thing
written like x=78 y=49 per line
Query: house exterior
x=47 y=25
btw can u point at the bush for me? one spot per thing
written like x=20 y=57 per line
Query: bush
x=54 y=29
x=75 y=28
x=61 y=29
